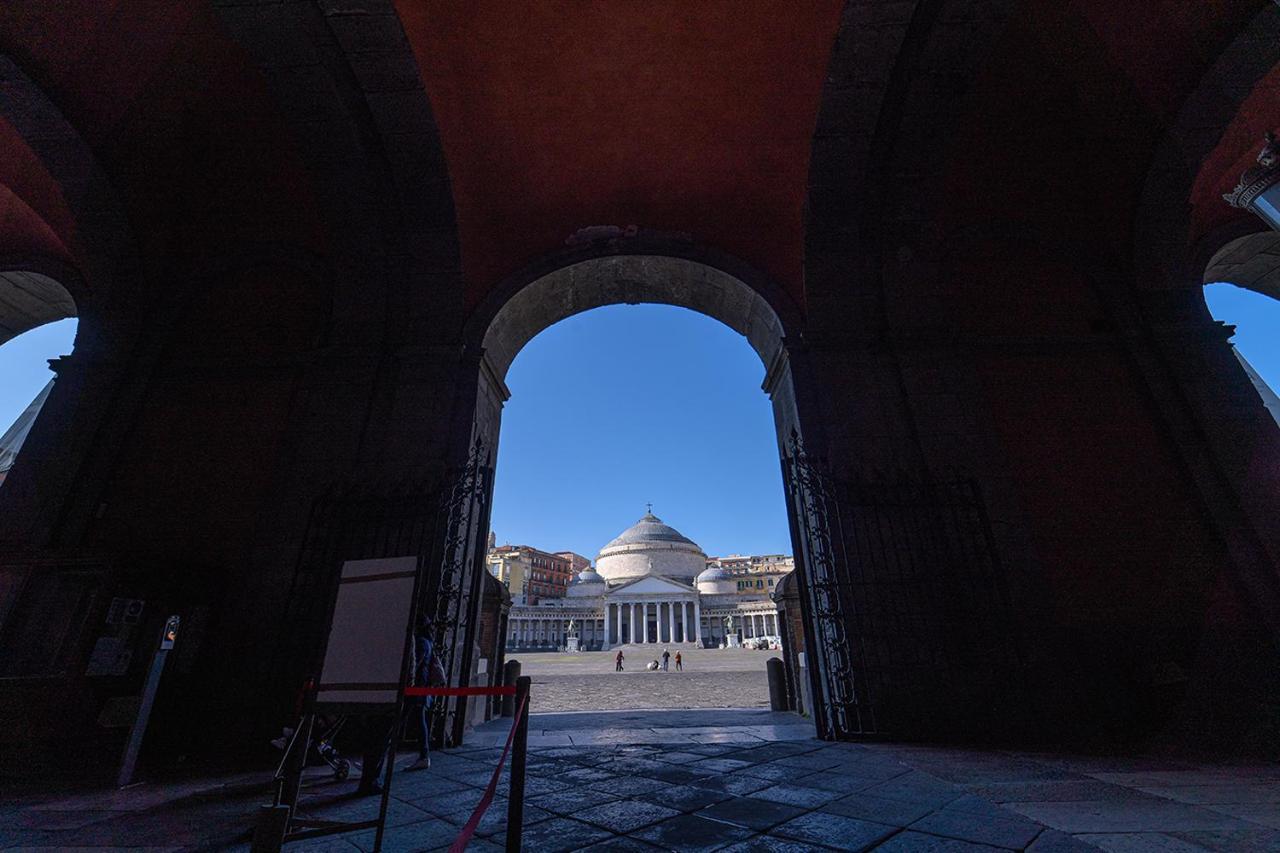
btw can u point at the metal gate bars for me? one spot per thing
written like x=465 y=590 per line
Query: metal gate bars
x=908 y=628
x=443 y=524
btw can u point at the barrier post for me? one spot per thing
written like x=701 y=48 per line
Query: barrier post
x=510 y=673
x=519 y=752
x=777 y=684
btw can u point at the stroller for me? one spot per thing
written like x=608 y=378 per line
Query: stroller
x=323 y=735
x=322 y=745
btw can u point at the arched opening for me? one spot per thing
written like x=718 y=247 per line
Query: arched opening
x=639 y=510
x=37 y=324
x=1242 y=289
x=672 y=617
x=1254 y=319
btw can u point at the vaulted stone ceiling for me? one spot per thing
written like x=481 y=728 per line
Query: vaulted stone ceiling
x=675 y=116
x=219 y=124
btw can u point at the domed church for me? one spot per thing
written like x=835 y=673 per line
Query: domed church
x=650 y=584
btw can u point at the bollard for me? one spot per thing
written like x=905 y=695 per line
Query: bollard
x=519 y=752
x=510 y=674
x=777 y=684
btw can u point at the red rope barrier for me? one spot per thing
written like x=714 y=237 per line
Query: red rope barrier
x=459 y=691
x=460 y=843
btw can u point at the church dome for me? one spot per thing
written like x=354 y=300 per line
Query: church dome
x=648 y=529
x=587 y=584
x=716 y=581
x=650 y=547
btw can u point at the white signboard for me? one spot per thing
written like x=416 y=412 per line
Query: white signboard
x=363 y=660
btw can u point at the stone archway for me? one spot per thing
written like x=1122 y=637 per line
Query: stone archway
x=637 y=271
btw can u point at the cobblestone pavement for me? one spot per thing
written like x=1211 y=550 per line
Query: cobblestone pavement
x=712 y=678
x=726 y=785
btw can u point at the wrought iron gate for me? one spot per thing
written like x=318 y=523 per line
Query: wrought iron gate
x=443 y=525
x=909 y=628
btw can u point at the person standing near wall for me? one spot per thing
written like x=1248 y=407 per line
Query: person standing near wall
x=427 y=672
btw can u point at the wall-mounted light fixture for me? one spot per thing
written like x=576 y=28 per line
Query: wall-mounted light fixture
x=1259 y=187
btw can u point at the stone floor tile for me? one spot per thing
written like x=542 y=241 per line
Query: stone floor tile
x=1266 y=814
x=455 y=801
x=843 y=783
x=845 y=832
x=878 y=809
x=618 y=844
x=772 y=772
x=678 y=757
x=1013 y=833
x=759 y=815
x=1052 y=841
x=917 y=787
x=811 y=761
x=918 y=842
x=584 y=775
x=1244 y=792
x=1138 y=842
x=475 y=845
x=625 y=816
x=561 y=834
x=796 y=795
x=689 y=833
x=329 y=844
x=773 y=844
x=424 y=835
x=1253 y=840
x=572 y=800
x=1061 y=791
x=685 y=798
x=680 y=775
x=629 y=786
x=1104 y=816
x=494 y=820
x=719 y=765
x=736 y=785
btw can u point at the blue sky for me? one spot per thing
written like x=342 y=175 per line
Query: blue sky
x=633 y=403
x=628 y=404
x=24 y=365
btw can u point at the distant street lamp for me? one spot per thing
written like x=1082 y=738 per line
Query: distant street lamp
x=1259 y=187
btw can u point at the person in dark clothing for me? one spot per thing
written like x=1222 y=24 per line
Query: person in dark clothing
x=666 y=659
x=617 y=662
x=377 y=731
x=423 y=666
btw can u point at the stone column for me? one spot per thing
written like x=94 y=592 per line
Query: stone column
x=635 y=622
x=671 y=621
x=697 y=622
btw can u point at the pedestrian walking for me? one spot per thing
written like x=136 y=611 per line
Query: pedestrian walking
x=679 y=664
x=617 y=662
x=666 y=658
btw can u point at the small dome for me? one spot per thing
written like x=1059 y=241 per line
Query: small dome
x=714 y=573
x=587 y=583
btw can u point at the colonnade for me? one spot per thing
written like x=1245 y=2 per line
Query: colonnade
x=552 y=630
x=638 y=621
x=668 y=621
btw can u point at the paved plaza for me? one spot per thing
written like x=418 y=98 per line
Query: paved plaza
x=586 y=681
x=747 y=780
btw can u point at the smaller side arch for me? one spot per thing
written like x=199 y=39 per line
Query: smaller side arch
x=1251 y=262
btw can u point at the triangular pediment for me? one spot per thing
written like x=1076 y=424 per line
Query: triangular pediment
x=651 y=585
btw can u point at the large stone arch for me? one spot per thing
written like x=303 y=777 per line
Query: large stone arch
x=631 y=269
x=1167 y=252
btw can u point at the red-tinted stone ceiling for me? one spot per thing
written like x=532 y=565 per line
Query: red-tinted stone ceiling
x=676 y=116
